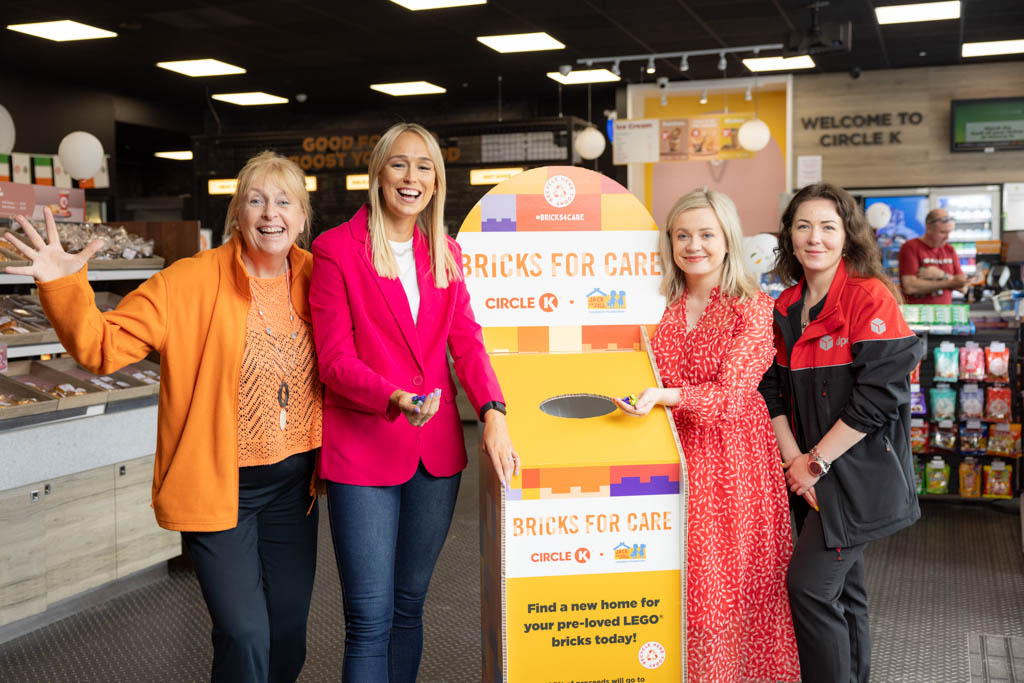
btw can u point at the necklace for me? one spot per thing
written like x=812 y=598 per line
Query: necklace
x=283 y=391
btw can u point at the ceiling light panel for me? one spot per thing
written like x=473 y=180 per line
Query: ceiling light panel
x=579 y=77
x=922 y=11
x=198 y=68
x=417 y=5
x=409 y=88
x=62 y=31
x=183 y=155
x=779 y=63
x=521 y=42
x=993 y=47
x=248 y=99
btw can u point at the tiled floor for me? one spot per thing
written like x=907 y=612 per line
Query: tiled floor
x=934 y=588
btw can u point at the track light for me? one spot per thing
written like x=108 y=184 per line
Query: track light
x=721 y=62
x=704 y=96
x=615 y=68
x=684 y=65
x=650 y=65
x=748 y=95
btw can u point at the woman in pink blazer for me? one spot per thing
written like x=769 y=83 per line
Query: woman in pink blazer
x=387 y=300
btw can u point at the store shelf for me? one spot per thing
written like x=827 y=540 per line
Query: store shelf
x=28 y=350
x=94 y=276
x=956 y=497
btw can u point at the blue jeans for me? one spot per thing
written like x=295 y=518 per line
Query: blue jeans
x=386 y=541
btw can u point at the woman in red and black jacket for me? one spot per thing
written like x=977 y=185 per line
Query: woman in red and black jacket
x=839 y=397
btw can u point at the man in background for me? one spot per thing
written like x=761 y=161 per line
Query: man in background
x=929 y=267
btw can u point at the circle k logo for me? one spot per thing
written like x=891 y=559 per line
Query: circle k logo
x=582 y=555
x=548 y=302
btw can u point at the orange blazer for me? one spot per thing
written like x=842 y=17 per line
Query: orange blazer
x=193 y=313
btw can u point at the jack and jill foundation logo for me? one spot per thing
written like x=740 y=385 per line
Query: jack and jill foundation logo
x=559 y=191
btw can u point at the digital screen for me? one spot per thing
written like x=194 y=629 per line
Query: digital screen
x=906 y=218
x=977 y=125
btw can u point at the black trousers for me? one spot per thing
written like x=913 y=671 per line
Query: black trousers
x=257 y=579
x=830 y=608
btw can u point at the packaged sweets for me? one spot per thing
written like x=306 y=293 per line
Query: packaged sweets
x=997 y=362
x=973 y=438
x=918 y=436
x=918 y=476
x=917 y=403
x=961 y=314
x=997 y=404
x=972 y=362
x=970 y=478
x=915 y=374
x=944 y=436
x=1003 y=439
x=972 y=402
x=943 y=401
x=936 y=476
x=947 y=362
x=997 y=480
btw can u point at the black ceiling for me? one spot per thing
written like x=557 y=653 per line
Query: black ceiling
x=332 y=51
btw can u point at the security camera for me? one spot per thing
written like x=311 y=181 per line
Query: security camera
x=855 y=72
x=662 y=82
x=565 y=69
x=300 y=97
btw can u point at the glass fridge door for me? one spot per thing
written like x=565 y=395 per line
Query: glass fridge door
x=975 y=209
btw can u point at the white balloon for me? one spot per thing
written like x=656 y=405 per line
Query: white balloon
x=879 y=214
x=759 y=252
x=589 y=143
x=754 y=135
x=81 y=154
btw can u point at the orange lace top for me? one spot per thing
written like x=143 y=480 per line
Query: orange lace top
x=266 y=362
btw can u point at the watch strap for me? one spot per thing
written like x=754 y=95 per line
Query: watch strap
x=492 y=405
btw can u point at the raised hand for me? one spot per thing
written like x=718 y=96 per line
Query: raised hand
x=49 y=260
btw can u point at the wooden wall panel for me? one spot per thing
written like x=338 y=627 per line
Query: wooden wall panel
x=923 y=158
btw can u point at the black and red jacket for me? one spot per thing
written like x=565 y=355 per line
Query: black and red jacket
x=852 y=363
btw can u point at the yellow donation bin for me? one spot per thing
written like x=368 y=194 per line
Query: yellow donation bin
x=583 y=555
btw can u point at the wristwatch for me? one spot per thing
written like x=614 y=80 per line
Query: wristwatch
x=492 y=405
x=816 y=464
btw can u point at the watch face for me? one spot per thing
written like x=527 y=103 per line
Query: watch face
x=814 y=467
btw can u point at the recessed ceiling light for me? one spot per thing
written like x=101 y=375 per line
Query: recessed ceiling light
x=416 y=5
x=922 y=11
x=62 y=30
x=993 y=47
x=779 y=63
x=408 y=88
x=201 y=67
x=578 y=77
x=247 y=99
x=183 y=155
x=521 y=42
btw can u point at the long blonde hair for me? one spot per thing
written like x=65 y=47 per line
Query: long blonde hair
x=282 y=172
x=431 y=220
x=736 y=282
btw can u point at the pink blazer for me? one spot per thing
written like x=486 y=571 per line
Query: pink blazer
x=368 y=346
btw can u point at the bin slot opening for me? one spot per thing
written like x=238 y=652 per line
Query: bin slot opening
x=578 y=406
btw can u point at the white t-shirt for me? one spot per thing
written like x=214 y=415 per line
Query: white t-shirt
x=407 y=274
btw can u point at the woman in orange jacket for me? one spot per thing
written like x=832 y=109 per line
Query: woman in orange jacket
x=240 y=407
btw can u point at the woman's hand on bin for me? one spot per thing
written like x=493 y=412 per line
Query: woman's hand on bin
x=49 y=261
x=497 y=445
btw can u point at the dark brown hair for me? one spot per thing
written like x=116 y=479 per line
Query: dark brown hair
x=860 y=253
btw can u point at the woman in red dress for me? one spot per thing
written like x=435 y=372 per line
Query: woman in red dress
x=712 y=346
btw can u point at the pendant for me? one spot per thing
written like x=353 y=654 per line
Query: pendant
x=283 y=393
x=284 y=419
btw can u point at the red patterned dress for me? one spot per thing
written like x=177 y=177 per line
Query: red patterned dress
x=739 y=627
